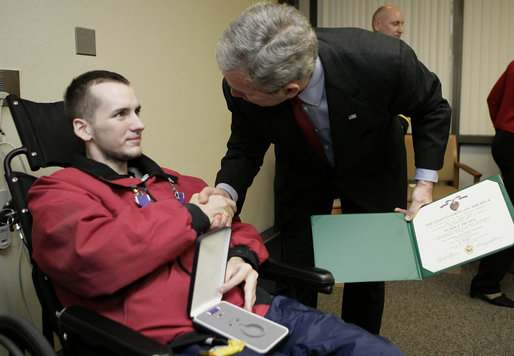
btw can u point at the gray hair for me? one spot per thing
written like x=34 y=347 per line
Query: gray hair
x=272 y=44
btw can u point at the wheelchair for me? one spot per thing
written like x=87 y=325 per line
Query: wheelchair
x=48 y=140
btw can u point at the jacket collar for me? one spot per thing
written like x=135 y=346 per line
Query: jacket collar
x=143 y=163
x=339 y=77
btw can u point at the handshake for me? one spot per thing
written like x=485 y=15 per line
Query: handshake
x=217 y=205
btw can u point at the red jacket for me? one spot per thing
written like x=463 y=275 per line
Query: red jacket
x=501 y=101
x=105 y=252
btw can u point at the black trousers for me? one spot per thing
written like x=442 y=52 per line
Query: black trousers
x=492 y=269
x=363 y=303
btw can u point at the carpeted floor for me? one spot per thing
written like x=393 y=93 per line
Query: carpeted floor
x=437 y=317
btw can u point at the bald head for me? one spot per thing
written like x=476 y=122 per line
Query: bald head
x=388 y=20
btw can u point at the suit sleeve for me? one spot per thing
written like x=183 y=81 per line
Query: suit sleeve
x=419 y=96
x=245 y=151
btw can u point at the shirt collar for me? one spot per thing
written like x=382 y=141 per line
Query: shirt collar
x=143 y=163
x=312 y=93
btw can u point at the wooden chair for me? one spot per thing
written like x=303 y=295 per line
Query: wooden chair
x=448 y=175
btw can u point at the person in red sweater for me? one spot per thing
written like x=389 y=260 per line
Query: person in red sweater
x=116 y=233
x=492 y=269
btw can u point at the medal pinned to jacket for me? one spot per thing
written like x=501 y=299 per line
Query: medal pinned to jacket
x=140 y=195
x=143 y=198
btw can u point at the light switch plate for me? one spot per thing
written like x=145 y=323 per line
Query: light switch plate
x=85 y=42
x=9 y=82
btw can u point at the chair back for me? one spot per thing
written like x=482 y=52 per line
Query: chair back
x=449 y=174
x=45 y=132
x=411 y=166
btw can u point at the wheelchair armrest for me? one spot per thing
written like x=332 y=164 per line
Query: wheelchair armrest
x=314 y=278
x=86 y=329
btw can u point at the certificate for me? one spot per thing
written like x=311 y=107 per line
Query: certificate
x=469 y=224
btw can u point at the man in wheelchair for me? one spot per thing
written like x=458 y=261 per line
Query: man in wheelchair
x=116 y=233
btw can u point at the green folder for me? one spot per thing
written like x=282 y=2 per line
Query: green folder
x=384 y=247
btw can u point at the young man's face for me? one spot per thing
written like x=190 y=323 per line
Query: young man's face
x=390 y=23
x=115 y=130
x=241 y=88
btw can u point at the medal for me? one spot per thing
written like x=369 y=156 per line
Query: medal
x=179 y=195
x=142 y=199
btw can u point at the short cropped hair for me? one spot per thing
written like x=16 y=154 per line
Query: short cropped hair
x=379 y=12
x=271 y=44
x=78 y=100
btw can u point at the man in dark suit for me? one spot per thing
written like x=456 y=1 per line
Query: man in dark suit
x=351 y=83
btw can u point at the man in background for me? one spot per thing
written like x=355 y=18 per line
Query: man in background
x=388 y=20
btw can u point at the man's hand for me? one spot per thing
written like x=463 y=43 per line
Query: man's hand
x=218 y=209
x=421 y=195
x=208 y=191
x=239 y=271
x=220 y=221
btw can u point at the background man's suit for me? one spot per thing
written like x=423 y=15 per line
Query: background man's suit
x=369 y=78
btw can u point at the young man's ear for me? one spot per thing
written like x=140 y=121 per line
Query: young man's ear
x=82 y=129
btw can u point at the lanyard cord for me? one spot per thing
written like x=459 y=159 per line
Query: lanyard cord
x=143 y=190
x=177 y=195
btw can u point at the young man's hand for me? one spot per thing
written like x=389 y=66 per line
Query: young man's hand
x=238 y=271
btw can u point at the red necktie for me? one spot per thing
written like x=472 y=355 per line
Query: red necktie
x=308 y=129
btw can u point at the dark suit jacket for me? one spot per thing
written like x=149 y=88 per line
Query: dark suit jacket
x=369 y=78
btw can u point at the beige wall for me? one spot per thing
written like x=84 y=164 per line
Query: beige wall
x=166 y=49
